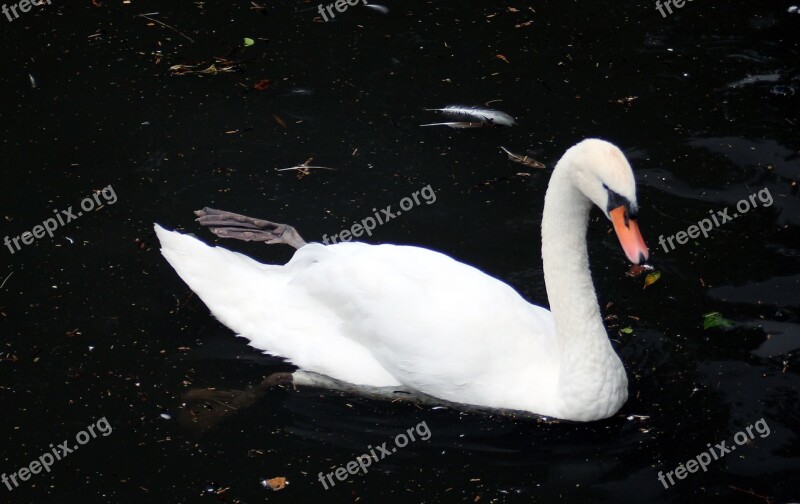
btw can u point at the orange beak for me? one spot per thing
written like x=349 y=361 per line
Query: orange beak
x=629 y=236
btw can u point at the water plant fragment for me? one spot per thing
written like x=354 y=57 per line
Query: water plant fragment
x=715 y=319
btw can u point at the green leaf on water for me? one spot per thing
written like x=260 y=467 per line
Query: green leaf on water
x=626 y=330
x=651 y=278
x=715 y=319
x=248 y=42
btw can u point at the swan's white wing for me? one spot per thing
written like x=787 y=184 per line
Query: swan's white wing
x=435 y=324
x=381 y=316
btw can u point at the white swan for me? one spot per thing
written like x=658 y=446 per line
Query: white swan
x=387 y=315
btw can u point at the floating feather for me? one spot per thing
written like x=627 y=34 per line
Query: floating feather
x=488 y=116
x=380 y=8
x=460 y=125
x=525 y=160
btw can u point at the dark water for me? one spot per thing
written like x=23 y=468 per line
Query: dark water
x=96 y=324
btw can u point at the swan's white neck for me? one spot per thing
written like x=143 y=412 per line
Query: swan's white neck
x=592 y=381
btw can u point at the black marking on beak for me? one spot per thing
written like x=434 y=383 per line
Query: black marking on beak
x=616 y=200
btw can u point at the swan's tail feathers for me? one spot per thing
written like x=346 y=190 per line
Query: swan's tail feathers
x=233 y=286
x=269 y=306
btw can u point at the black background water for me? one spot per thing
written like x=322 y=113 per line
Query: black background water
x=714 y=119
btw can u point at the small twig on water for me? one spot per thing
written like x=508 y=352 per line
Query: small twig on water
x=6 y=280
x=147 y=16
x=306 y=168
x=766 y=499
x=223 y=404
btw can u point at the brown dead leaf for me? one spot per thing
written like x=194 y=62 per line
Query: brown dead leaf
x=276 y=484
x=637 y=270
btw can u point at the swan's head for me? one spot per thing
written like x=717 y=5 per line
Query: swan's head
x=601 y=172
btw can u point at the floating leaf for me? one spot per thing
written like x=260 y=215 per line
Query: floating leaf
x=275 y=484
x=651 y=278
x=637 y=270
x=626 y=330
x=248 y=42
x=715 y=319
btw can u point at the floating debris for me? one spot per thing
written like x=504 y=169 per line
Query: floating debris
x=651 y=278
x=299 y=91
x=627 y=101
x=473 y=117
x=275 y=484
x=380 y=8
x=525 y=160
x=165 y=25
x=220 y=65
x=280 y=121
x=6 y=280
x=637 y=269
x=258 y=8
x=459 y=125
x=715 y=319
x=304 y=168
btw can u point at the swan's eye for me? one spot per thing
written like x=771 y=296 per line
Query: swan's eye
x=616 y=200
